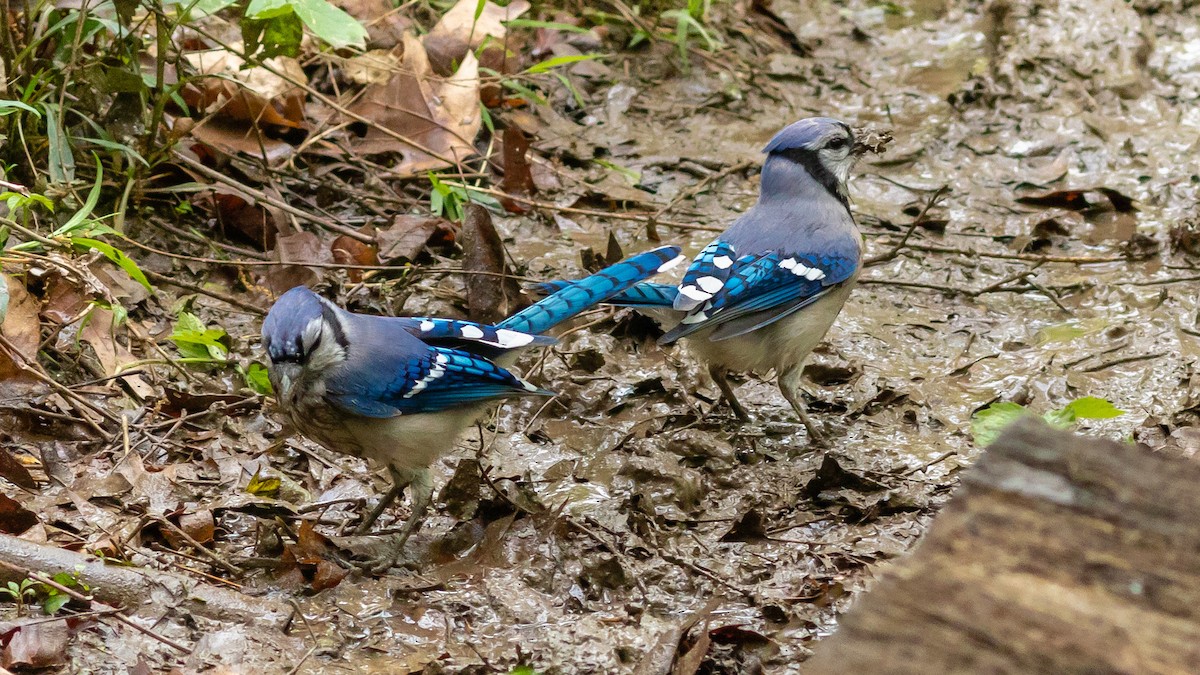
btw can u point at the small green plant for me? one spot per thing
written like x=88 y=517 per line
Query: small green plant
x=55 y=599
x=448 y=199
x=989 y=423
x=256 y=378
x=277 y=26
x=20 y=593
x=197 y=343
x=690 y=22
x=24 y=591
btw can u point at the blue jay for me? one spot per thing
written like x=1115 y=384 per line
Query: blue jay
x=766 y=291
x=399 y=390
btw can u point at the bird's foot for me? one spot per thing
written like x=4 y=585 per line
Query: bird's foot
x=386 y=558
x=816 y=435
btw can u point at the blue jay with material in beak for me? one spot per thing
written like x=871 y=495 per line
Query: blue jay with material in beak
x=399 y=390
x=764 y=293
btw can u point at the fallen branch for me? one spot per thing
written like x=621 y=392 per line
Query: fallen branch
x=134 y=588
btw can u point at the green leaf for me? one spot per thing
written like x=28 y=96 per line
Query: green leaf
x=197 y=341
x=566 y=82
x=268 y=9
x=8 y=106
x=205 y=7
x=486 y=116
x=258 y=379
x=119 y=147
x=987 y=424
x=3 y=298
x=557 y=61
x=331 y=24
x=61 y=160
x=277 y=36
x=1069 y=330
x=117 y=256
x=1093 y=408
x=55 y=602
x=548 y=25
x=65 y=579
x=521 y=89
x=89 y=204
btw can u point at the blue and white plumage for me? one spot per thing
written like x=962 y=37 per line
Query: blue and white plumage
x=764 y=293
x=399 y=390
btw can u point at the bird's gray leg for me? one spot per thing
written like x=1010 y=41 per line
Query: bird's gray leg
x=421 y=484
x=789 y=385
x=718 y=375
x=398 y=486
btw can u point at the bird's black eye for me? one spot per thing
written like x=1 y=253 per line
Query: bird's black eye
x=836 y=143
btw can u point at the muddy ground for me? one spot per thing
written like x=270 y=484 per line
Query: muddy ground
x=633 y=517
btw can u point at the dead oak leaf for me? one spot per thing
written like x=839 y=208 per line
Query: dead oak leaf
x=409 y=234
x=36 y=645
x=441 y=115
x=466 y=26
x=19 y=326
x=98 y=333
x=311 y=559
x=14 y=518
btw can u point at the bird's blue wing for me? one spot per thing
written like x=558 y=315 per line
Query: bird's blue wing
x=645 y=294
x=772 y=284
x=436 y=379
x=579 y=296
x=434 y=331
x=706 y=275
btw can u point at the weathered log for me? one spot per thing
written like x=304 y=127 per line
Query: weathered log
x=134 y=588
x=1059 y=554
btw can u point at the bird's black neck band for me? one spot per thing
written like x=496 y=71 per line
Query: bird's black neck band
x=808 y=159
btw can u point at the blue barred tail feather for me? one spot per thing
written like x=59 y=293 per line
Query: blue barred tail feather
x=571 y=298
x=433 y=330
x=645 y=294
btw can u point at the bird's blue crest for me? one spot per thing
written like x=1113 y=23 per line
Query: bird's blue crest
x=286 y=321
x=804 y=134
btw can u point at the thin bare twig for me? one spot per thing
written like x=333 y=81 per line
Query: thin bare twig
x=899 y=246
x=218 y=560
x=196 y=288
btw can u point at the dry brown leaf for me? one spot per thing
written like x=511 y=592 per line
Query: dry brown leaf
x=408 y=235
x=37 y=645
x=251 y=111
x=64 y=300
x=112 y=355
x=374 y=67
x=442 y=115
x=234 y=137
x=20 y=326
x=493 y=295
x=238 y=214
x=250 y=94
x=460 y=31
x=347 y=250
x=310 y=558
x=298 y=248
x=518 y=179
x=12 y=469
x=198 y=525
x=14 y=518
